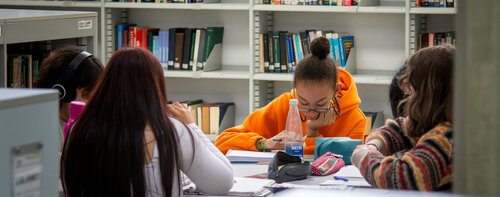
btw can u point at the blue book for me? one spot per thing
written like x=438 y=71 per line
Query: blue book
x=332 y=53
x=119 y=34
x=289 y=52
x=336 y=51
x=298 y=49
x=345 y=45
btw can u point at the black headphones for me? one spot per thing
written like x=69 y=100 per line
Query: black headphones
x=67 y=91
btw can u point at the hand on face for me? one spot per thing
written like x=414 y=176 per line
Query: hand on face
x=180 y=112
x=322 y=120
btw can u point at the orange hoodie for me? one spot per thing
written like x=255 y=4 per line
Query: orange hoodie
x=271 y=120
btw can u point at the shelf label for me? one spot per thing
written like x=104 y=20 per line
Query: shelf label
x=27 y=169
x=84 y=24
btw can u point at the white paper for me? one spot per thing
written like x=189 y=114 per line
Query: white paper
x=249 y=156
x=349 y=171
x=248 y=185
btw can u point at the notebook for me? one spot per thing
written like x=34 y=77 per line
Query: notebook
x=241 y=156
x=248 y=186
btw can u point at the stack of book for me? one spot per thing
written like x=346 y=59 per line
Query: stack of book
x=23 y=62
x=281 y=51
x=178 y=48
x=212 y=118
x=434 y=39
x=311 y=2
x=435 y=3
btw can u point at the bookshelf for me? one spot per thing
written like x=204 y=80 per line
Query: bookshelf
x=385 y=36
x=17 y=28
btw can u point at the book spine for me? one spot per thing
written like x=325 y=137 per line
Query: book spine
x=283 y=52
x=270 y=50
x=171 y=46
x=186 y=49
x=276 y=53
x=191 y=54
x=265 y=52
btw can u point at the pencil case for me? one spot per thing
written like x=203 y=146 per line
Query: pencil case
x=284 y=167
x=328 y=163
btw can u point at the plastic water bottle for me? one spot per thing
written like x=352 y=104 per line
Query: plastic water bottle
x=293 y=131
x=75 y=108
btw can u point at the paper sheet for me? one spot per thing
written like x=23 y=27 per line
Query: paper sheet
x=349 y=171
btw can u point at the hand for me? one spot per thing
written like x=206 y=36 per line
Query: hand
x=324 y=119
x=180 y=112
x=276 y=145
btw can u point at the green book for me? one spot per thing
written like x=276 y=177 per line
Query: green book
x=276 y=53
x=191 y=57
x=214 y=36
x=35 y=69
x=150 y=41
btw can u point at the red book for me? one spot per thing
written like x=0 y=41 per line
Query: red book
x=132 y=37
x=347 y=2
x=144 y=39
x=138 y=38
x=125 y=40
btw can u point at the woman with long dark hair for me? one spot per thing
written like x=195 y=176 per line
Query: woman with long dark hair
x=129 y=142
x=416 y=152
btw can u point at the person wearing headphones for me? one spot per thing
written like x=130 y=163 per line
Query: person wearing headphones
x=74 y=73
x=328 y=105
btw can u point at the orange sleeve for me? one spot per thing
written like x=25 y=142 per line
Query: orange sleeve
x=263 y=123
x=358 y=131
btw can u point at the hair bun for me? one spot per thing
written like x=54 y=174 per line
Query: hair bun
x=320 y=47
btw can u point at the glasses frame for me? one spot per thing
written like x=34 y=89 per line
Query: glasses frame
x=333 y=101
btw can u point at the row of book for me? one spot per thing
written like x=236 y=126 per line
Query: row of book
x=178 y=48
x=311 y=2
x=171 y=1
x=212 y=118
x=435 y=3
x=434 y=39
x=21 y=70
x=281 y=51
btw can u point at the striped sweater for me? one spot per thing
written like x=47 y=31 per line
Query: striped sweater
x=402 y=163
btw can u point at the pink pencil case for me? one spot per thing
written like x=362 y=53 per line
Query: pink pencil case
x=328 y=163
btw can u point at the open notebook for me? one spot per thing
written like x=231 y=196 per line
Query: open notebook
x=240 y=156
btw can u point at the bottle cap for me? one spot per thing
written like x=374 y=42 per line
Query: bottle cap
x=294 y=102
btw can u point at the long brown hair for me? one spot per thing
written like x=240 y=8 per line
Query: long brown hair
x=429 y=75
x=104 y=153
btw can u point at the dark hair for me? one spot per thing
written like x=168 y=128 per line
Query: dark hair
x=85 y=76
x=317 y=66
x=396 y=94
x=429 y=73
x=104 y=154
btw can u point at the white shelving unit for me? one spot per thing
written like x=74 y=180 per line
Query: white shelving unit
x=385 y=36
x=25 y=26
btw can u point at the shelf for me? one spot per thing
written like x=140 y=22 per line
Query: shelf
x=382 y=9
x=230 y=72
x=88 y=4
x=358 y=78
x=339 y=9
x=186 y=6
x=433 y=10
x=306 y=8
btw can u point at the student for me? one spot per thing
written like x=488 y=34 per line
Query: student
x=416 y=152
x=328 y=105
x=396 y=94
x=128 y=142
x=74 y=73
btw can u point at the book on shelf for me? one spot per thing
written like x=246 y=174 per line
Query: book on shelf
x=211 y=118
x=176 y=48
x=435 y=3
x=286 y=50
x=434 y=39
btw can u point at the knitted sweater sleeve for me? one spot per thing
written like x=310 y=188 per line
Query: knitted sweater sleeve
x=390 y=138
x=424 y=167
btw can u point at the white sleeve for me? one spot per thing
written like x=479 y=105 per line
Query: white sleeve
x=208 y=168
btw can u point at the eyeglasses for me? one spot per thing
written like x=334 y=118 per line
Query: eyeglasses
x=333 y=102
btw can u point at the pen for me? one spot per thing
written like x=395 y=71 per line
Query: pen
x=277 y=140
x=340 y=178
